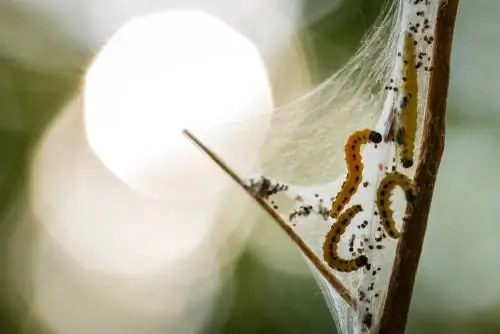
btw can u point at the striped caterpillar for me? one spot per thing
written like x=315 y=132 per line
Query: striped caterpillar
x=330 y=246
x=354 y=167
x=406 y=132
x=384 y=193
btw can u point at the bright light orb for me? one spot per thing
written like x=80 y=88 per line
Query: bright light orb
x=165 y=72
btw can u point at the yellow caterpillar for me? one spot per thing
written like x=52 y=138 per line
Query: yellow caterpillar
x=330 y=246
x=354 y=167
x=384 y=193
x=406 y=132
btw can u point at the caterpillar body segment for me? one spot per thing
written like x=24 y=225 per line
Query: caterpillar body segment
x=354 y=164
x=384 y=193
x=332 y=239
x=408 y=105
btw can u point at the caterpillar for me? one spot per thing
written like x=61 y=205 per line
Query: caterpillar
x=406 y=132
x=385 y=190
x=330 y=246
x=354 y=167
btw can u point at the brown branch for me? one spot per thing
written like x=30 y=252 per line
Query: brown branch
x=306 y=250
x=397 y=303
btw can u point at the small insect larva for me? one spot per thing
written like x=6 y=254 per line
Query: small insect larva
x=384 y=193
x=330 y=246
x=406 y=133
x=354 y=167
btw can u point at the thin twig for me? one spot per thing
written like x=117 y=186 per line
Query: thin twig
x=315 y=260
x=402 y=280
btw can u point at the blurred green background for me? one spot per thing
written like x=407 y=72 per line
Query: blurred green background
x=457 y=288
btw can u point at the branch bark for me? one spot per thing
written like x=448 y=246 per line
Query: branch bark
x=397 y=303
